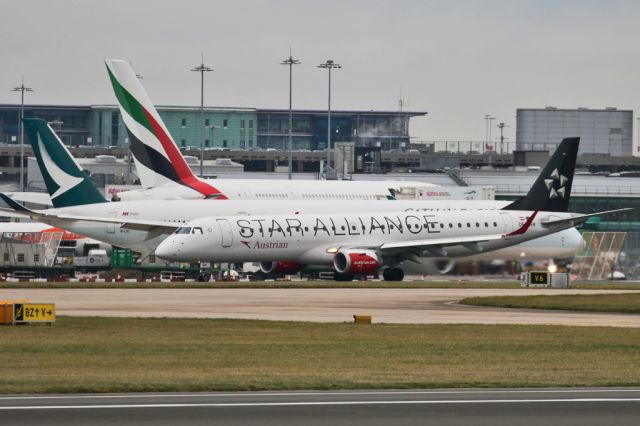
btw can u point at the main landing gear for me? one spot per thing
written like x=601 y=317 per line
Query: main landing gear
x=393 y=274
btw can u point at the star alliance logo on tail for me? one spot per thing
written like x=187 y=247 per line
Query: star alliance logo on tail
x=64 y=180
x=559 y=190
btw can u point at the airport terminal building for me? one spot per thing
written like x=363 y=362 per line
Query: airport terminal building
x=602 y=131
x=224 y=128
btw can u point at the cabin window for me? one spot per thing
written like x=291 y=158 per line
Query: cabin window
x=459 y=225
x=495 y=224
x=451 y=225
x=486 y=225
x=468 y=225
x=477 y=225
x=442 y=225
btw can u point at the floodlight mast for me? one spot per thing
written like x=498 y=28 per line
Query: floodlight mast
x=202 y=68
x=329 y=65
x=22 y=88
x=291 y=62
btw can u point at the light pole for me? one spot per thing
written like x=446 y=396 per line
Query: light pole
x=638 y=145
x=22 y=89
x=490 y=125
x=291 y=62
x=501 y=126
x=329 y=65
x=486 y=132
x=202 y=68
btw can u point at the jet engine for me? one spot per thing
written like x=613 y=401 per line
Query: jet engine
x=280 y=267
x=356 y=262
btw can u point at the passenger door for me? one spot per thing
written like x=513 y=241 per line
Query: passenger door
x=225 y=232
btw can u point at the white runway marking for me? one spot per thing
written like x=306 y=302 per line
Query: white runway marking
x=317 y=403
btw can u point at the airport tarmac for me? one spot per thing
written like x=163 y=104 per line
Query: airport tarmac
x=389 y=305
x=523 y=407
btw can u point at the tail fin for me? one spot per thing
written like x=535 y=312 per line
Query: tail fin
x=552 y=190
x=158 y=159
x=67 y=184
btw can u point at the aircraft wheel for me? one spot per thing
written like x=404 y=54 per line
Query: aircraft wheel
x=393 y=274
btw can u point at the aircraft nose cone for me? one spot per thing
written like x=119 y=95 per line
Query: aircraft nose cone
x=167 y=249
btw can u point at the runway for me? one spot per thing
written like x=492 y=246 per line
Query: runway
x=389 y=305
x=523 y=407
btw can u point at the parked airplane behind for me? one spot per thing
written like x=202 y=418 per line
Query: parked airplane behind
x=162 y=168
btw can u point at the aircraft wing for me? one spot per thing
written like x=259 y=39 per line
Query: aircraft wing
x=435 y=246
x=4 y=212
x=577 y=220
x=157 y=227
x=31 y=197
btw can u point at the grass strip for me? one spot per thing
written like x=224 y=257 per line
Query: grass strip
x=623 y=303
x=134 y=354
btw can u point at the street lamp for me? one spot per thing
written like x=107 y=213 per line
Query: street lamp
x=291 y=62
x=329 y=65
x=202 y=68
x=22 y=89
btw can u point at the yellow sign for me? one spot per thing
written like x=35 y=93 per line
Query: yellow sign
x=34 y=312
x=539 y=277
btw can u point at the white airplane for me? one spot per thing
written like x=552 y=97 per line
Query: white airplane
x=359 y=243
x=164 y=173
x=363 y=243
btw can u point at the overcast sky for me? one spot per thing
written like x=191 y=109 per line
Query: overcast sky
x=456 y=60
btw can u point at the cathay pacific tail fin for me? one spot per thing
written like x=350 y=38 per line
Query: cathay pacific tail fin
x=66 y=182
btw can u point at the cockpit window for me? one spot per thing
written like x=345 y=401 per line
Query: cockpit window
x=197 y=230
x=184 y=230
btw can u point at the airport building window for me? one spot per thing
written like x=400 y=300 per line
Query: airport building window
x=207 y=122
x=36 y=258
x=20 y=257
x=183 y=122
x=206 y=143
x=251 y=124
x=183 y=142
x=225 y=123
x=152 y=258
x=242 y=124
x=224 y=143
x=6 y=257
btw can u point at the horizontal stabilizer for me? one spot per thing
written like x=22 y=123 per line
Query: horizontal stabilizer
x=577 y=220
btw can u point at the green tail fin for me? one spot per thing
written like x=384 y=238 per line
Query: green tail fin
x=67 y=184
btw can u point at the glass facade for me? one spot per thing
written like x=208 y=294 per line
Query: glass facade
x=71 y=122
x=387 y=130
x=232 y=128
x=606 y=131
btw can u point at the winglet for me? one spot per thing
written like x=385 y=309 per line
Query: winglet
x=524 y=227
x=14 y=204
